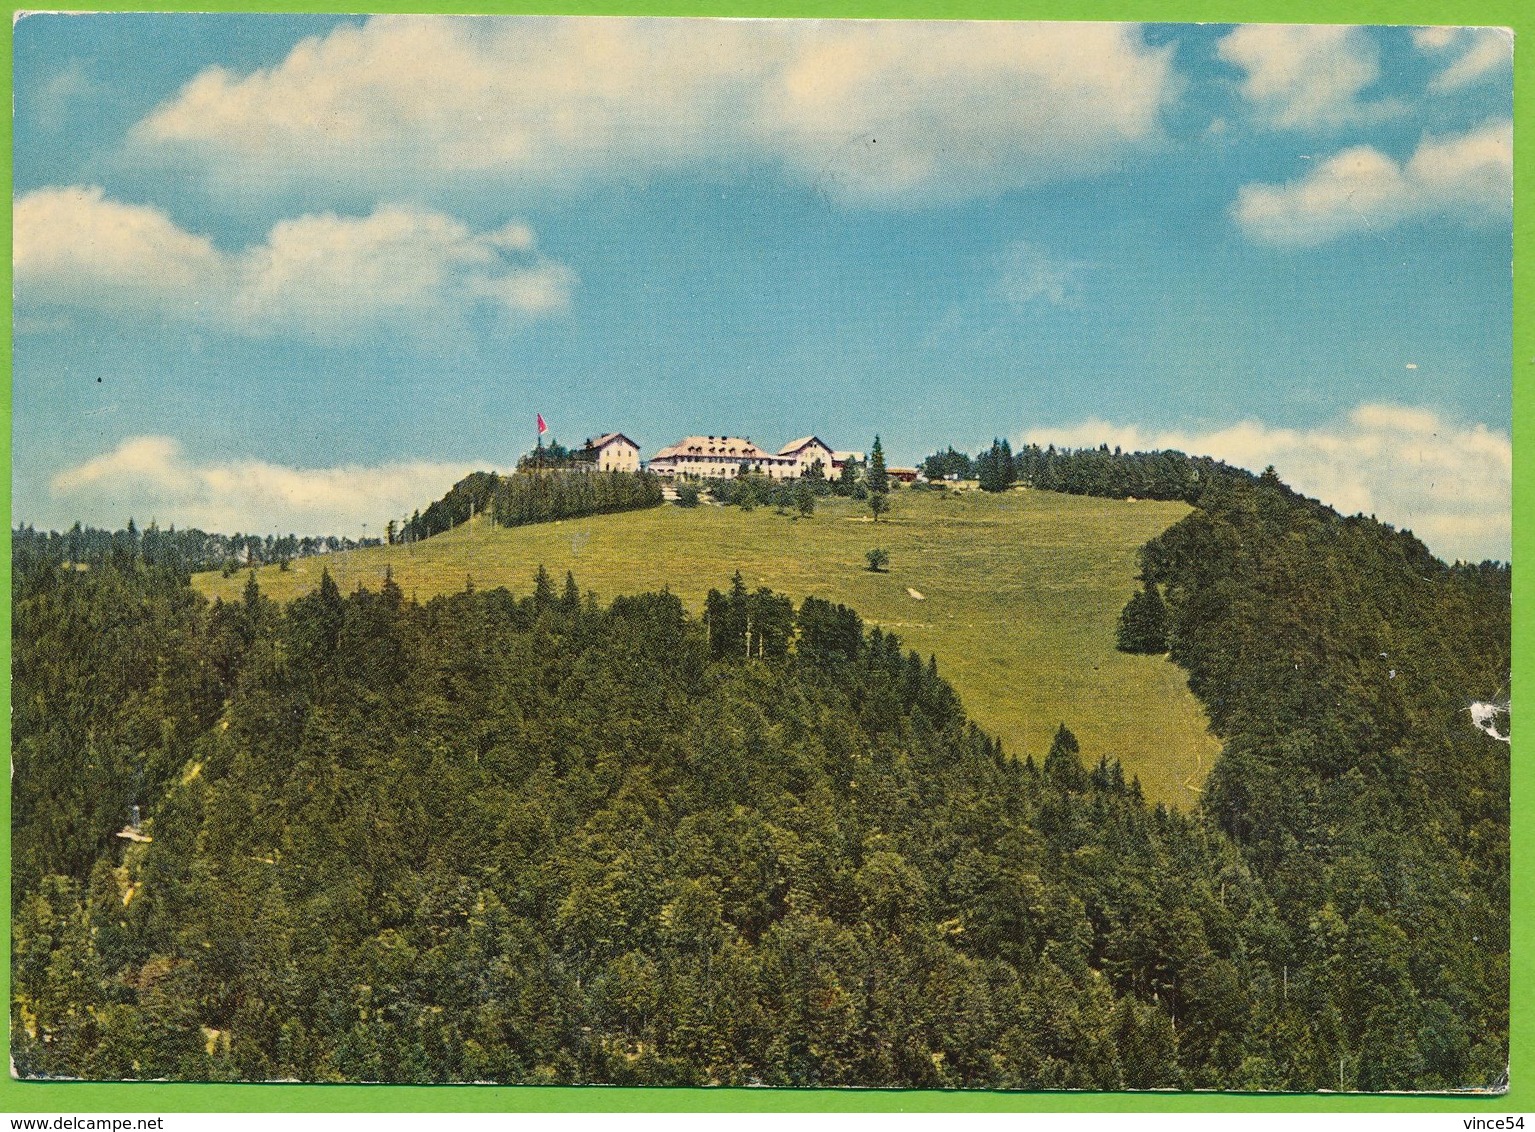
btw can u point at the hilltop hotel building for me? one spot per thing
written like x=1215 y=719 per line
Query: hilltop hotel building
x=715 y=457
x=721 y=457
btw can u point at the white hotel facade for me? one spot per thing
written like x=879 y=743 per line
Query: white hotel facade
x=722 y=457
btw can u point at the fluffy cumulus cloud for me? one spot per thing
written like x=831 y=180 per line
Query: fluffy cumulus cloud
x=875 y=112
x=1468 y=177
x=1303 y=77
x=1472 y=54
x=151 y=475
x=1450 y=483
x=74 y=245
x=400 y=271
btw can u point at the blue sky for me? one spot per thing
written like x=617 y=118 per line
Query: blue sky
x=298 y=273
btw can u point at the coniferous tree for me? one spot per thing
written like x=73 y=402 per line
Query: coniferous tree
x=332 y=611
x=942 y=465
x=1063 y=764
x=1143 y=622
x=770 y=620
x=827 y=630
x=847 y=477
x=995 y=469
x=390 y=590
x=878 y=479
x=543 y=589
x=725 y=619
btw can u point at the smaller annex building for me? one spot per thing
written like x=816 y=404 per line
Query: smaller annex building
x=807 y=451
x=723 y=457
x=612 y=452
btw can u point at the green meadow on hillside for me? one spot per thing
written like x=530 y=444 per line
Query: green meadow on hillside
x=1019 y=596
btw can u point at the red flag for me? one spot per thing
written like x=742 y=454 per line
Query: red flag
x=542 y=427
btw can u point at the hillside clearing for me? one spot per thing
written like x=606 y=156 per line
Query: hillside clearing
x=1021 y=593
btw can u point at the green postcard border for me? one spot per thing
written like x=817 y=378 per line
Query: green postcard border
x=31 y=1096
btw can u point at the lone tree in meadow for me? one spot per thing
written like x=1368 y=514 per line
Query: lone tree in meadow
x=1143 y=623
x=878 y=482
x=878 y=478
x=878 y=559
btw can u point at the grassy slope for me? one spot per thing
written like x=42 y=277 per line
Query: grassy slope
x=1021 y=593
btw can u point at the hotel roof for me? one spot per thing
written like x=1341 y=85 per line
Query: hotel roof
x=794 y=446
x=608 y=438
x=727 y=447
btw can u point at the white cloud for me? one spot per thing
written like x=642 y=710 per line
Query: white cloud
x=1434 y=38
x=150 y=476
x=891 y=112
x=334 y=275
x=1450 y=483
x=1029 y=274
x=1478 y=54
x=1307 y=76
x=149 y=461
x=72 y=245
x=402 y=272
x=1468 y=178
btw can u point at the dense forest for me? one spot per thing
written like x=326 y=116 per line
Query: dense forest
x=185 y=551
x=531 y=497
x=534 y=839
x=1100 y=471
x=1337 y=659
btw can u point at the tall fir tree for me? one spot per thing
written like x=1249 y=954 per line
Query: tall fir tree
x=543 y=589
x=995 y=468
x=878 y=481
x=878 y=478
x=1063 y=764
x=1143 y=623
